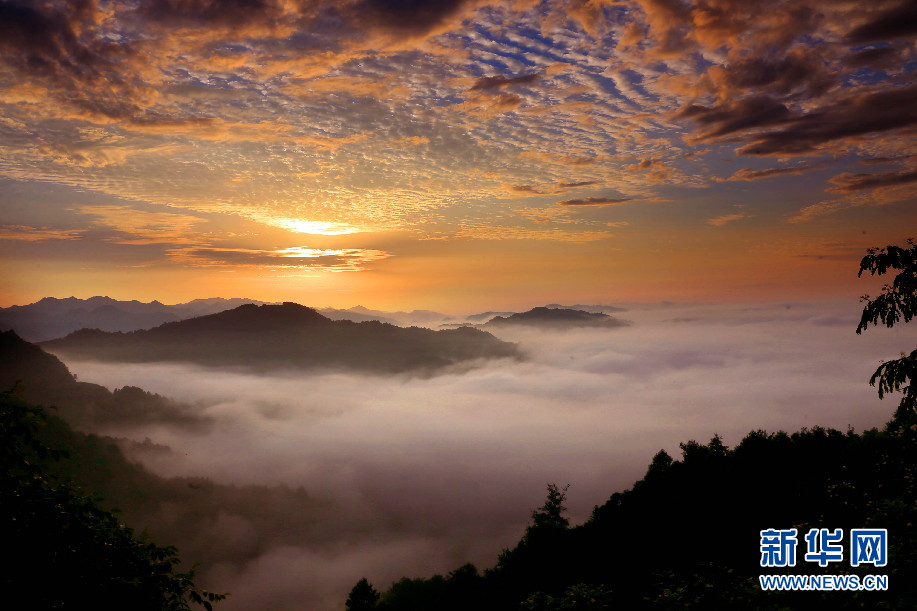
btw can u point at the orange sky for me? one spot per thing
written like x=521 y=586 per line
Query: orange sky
x=453 y=155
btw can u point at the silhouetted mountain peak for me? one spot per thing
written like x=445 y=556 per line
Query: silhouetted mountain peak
x=20 y=360
x=51 y=317
x=46 y=380
x=288 y=335
x=245 y=319
x=565 y=317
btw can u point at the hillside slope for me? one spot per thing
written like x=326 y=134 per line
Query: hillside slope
x=287 y=336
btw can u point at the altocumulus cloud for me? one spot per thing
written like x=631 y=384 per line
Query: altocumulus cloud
x=595 y=201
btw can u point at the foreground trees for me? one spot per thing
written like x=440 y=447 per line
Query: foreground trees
x=67 y=551
x=363 y=597
x=687 y=535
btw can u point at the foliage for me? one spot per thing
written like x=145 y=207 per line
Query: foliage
x=460 y=590
x=550 y=515
x=70 y=553
x=579 y=597
x=687 y=535
x=897 y=302
x=363 y=597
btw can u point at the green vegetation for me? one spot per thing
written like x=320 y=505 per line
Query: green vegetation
x=67 y=551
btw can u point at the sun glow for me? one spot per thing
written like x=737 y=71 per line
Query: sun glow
x=319 y=227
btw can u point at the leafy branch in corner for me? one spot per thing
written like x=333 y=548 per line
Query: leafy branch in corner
x=896 y=303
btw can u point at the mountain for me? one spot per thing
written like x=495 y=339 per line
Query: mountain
x=335 y=314
x=603 y=309
x=42 y=378
x=556 y=318
x=414 y=317
x=486 y=316
x=50 y=318
x=287 y=336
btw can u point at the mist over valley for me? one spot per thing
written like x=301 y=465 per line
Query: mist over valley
x=299 y=482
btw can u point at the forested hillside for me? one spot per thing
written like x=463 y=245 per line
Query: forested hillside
x=69 y=552
x=687 y=535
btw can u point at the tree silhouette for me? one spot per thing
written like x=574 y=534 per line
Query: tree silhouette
x=363 y=597
x=550 y=515
x=897 y=302
x=69 y=552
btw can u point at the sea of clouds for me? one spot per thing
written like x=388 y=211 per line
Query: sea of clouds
x=427 y=473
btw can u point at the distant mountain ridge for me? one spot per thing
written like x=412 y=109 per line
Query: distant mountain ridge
x=603 y=309
x=555 y=317
x=288 y=336
x=350 y=314
x=51 y=317
x=414 y=317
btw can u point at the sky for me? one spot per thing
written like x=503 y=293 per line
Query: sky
x=453 y=154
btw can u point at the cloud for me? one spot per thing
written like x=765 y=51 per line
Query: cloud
x=812 y=211
x=798 y=71
x=25 y=233
x=878 y=57
x=321 y=18
x=719 y=221
x=329 y=478
x=349 y=111
x=316 y=227
x=778 y=130
x=848 y=182
x=487 y=83
x=747 y=174
x=497 y=232
x=576 y=185
x=891 y=22
x=525 y=189
x=407 y=16
x=135 y=226
x=207 y=13
x=595 y=201
x=878 y=160
x=855 y=115
x=737 y=116
x=299 y=257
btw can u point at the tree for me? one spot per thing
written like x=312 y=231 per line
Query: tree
x=897 y=302
x=363 y=597
x=550 y=515
x=69 y=552
x=578 y=597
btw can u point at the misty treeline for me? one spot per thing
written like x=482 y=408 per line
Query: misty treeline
x=687 y=535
